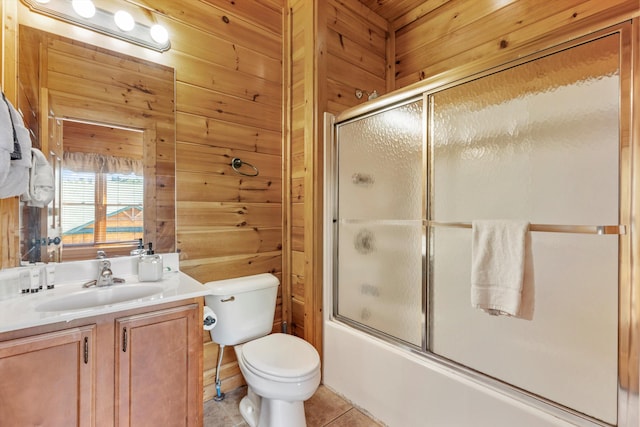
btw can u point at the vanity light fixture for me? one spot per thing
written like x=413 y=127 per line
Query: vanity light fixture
x=159 y=34
x=84 y=8
x=120 y=25
x=125 y=21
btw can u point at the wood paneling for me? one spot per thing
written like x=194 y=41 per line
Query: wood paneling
x=298 y=29
x=228 y=59
x=230 y=101
x=219 y=133
x=105 y=140
x=200 y=101
x=270 y=12
x=389 y=45
x=335 y=48
x=393 y=9
x=484 y=33
x=9 y=220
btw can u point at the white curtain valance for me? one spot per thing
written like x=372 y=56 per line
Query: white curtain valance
x=92 y=162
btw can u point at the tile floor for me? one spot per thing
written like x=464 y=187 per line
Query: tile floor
x=324 y=409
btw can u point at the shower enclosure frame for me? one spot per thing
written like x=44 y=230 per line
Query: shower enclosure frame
x=628 y=412
x=425 y=265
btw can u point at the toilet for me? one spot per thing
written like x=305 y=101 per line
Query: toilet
x=281 y=371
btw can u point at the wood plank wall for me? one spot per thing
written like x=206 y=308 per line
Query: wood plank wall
x=356 y=41
x=9 y=220
x=228 y=61
x=298 y=32
x=438 y=36
x=228 y=58
x=339 y=46
x=228 y=93
x=230 y=102
x=334 y=48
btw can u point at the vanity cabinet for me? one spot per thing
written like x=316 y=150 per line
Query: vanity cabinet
x=47 y=379
x=156 y=371
x=135 y=368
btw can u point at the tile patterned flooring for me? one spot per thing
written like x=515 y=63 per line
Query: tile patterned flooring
x=324 y=409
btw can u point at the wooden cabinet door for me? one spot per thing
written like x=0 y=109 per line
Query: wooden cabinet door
x=158 y=368
x=48 y=379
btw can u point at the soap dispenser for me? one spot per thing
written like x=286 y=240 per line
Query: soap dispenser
x=150 y=266
x=139 y=250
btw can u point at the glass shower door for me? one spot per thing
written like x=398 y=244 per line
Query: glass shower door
x=538 y=142
x=380 y=174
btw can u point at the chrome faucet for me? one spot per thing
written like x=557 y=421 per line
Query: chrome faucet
x=105 y=275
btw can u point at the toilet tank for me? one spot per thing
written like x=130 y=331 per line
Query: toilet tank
x=245 y=307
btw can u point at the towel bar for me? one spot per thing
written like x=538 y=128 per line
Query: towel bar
x=551 y=228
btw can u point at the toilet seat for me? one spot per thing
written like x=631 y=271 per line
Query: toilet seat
x=281 y=357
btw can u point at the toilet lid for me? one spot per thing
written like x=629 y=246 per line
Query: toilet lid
x=281 y=356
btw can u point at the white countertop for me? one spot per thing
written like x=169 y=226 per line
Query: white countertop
x=18 y=311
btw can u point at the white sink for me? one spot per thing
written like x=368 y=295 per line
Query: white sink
x=95 y=297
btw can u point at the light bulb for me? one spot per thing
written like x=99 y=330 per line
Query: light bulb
x=124 y=20
x=159 y=34
x=84 y=8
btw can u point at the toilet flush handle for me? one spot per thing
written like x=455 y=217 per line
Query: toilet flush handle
x=231 y=298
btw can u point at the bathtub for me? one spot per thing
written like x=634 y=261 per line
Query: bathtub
x=403 y=389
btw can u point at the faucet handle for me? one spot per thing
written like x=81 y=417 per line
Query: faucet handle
x=105 y=277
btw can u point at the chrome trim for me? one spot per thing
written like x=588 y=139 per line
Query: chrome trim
x=550 y=228
x=426 y=250
x=379 y=221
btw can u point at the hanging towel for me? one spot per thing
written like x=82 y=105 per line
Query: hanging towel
x=6 y=141
x=16 y=181
x=497 y=265
x=41 y=185
x=16 y=153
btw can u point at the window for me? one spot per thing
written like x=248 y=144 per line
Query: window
x=102 y=199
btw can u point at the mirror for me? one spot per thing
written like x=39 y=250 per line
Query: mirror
x=87 y=106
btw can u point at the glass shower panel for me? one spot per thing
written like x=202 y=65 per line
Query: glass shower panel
x=380 y=210
x=536 y=142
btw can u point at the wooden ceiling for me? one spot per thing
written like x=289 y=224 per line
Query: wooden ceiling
x=392 y=10
x=408 y=10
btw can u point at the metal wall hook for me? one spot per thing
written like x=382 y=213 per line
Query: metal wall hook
x=236 y=164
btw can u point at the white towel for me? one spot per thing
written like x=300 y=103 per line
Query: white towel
x=6 y=140
x=497 y=265
x=16 y=181
x=6 y=128
x=41 y=185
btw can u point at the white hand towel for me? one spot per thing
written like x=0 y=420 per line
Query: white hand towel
x=6 y=128
x=497 y=265
x=16 y=182
x=41 y=185
x=6 y=140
